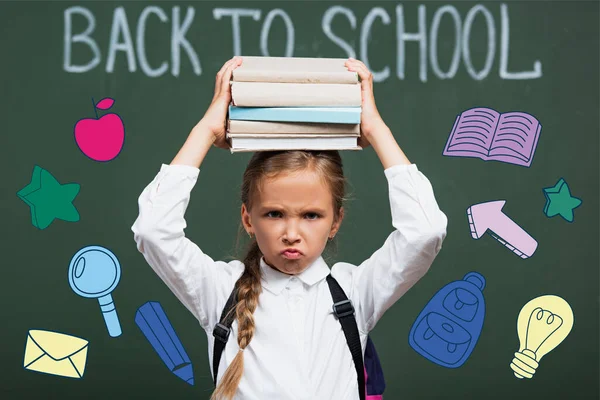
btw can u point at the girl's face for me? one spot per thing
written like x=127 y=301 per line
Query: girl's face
x=294 y=210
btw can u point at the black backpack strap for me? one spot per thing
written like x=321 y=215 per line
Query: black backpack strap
x=344 y=311
x=221 y=331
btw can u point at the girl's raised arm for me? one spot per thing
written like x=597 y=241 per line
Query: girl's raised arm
x=410 y=249
x=199 y=282
x=211 y=128
x=408 y=252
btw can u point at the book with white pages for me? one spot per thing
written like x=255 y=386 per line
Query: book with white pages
x=332 y=115
x=278 y=94
x=239 y=144
x=289 y=135
x=294 y=70
x=279 y=127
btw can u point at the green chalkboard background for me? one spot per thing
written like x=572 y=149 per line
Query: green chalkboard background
x=40 y=102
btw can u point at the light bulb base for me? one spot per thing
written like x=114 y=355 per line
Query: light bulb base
x=524 y=364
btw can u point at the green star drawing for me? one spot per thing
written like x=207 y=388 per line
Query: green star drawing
x=560 y=201
x=48 y=199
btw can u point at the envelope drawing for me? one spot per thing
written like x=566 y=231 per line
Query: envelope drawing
x=55 y=353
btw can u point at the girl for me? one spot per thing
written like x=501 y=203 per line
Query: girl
x=289 y=345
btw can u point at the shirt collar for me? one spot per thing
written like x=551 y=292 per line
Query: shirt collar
x=275 y=281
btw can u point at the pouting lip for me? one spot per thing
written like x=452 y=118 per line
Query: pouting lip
x=291 y=249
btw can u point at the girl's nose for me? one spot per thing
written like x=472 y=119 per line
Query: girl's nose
x=291 y=234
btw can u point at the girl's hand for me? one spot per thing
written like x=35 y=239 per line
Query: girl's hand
x=215 y=118
x=370 y=120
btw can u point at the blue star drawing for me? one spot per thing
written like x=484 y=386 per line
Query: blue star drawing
x=48 y=199
x=559 y=201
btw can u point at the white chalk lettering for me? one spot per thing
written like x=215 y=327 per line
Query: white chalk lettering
x=433 y=34
x=141 y=42
x=119 y=25
x=235 y=14
x=328 y=16
x=264 y=32
x=402 y=36
x=504 y=74
x=491 y=47
x=178 y=39
x=413 y=26
x=365 y=33
x=79 y=38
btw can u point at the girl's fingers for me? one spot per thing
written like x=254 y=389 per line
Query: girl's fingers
x=222 y=73
x=223 y=68
x=227 y=64
x=227 y=74
x=354 y=61
x=366 y=79
x=361 y=69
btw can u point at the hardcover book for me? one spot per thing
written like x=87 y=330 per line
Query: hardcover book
x=270 y=94
x=294 y=143
x=270 y=127
x=289 y=135
x=334 y=115
x=294 y=70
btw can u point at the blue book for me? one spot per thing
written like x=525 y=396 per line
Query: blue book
x=333 y=115
x=155 y=325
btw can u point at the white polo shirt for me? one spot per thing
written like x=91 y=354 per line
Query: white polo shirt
x=299 y=351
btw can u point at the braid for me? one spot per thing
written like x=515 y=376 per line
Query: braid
x=249 y=289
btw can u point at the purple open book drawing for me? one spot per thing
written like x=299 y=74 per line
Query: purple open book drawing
x=487 y=134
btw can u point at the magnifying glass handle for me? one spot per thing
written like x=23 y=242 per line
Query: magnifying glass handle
x=110 y=315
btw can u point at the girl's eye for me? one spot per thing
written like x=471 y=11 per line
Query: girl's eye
x=311 y=213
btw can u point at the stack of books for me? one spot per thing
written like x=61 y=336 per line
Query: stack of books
x=293 y=103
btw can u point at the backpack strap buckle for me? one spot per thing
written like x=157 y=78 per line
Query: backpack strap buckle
x=343 y=308
x=221 y=332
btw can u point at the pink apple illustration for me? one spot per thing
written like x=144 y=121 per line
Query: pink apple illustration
x=101 y=139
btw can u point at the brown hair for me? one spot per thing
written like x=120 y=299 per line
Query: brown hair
x=268 y=165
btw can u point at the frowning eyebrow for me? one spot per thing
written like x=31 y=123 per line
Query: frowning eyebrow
x=307 y=209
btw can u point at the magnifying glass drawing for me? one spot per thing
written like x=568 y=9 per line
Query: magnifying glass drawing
x=94 y=272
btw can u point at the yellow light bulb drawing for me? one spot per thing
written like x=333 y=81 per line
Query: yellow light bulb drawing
x=543 y=324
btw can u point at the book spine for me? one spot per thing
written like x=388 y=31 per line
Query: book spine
x=289 y=135
x=494 y=131
x=294 y=69
x=268 y=94
x=451 y=136
x=333 y=115
x=245 y=150
x=273 y=76
x=271 y=127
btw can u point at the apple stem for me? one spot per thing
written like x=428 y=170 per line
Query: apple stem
x=96 y=111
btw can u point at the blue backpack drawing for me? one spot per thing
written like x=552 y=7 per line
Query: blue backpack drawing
x=447 y=329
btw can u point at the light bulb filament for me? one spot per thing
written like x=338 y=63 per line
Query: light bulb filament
x=539 y=329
